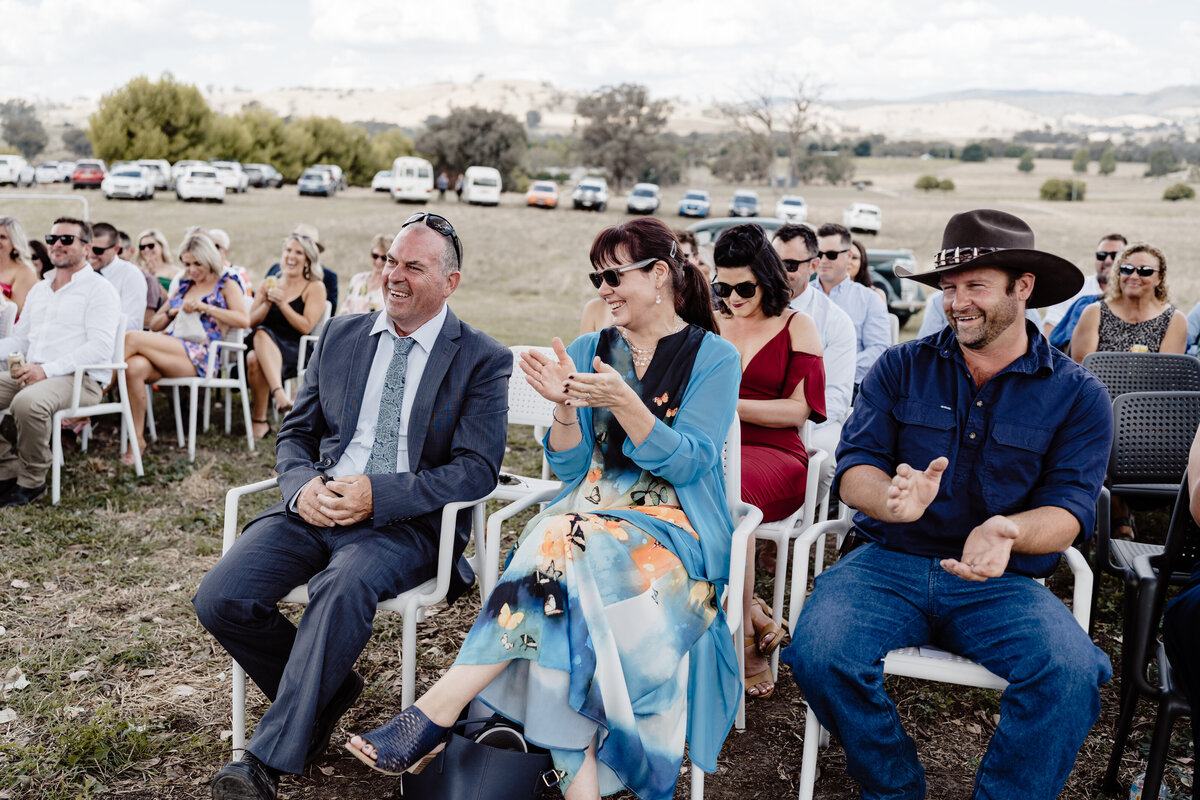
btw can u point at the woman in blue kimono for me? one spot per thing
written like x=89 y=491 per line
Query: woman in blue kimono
x=605 y=636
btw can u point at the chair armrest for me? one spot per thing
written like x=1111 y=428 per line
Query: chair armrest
x=1103 y=531
x=446 y=547
x=1081 y=600
x=748 y=518
x=217 y=345
x=491 y=563
x=232 y=497
x=1147 y=618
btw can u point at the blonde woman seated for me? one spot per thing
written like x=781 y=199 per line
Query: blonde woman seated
x=783 y=386
x=205 y=292
x=285 y=308
x=366 y=288
x=17 y=275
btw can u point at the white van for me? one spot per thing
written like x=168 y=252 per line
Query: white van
x=412 y=180
x=481 y=186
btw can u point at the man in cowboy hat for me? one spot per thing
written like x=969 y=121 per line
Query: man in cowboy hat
x=974 y=458
x=328 y=275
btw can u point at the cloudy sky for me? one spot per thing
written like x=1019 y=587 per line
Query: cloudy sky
x=697 y=50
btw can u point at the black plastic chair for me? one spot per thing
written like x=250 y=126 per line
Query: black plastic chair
x=1122 y=373
x=1154 y=574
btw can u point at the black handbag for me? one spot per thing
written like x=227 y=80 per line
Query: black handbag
x=469 y=768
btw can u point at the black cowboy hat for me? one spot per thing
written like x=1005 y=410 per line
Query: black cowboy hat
x=989 y=238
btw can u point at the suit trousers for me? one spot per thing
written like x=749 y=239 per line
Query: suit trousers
x=349 y=570
x=33 y=410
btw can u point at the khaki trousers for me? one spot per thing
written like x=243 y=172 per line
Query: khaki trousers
x=33 y=410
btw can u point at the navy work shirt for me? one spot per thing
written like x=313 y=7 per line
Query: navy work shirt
x=1037 y=434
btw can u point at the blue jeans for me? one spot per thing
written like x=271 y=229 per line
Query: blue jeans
x=876 y=600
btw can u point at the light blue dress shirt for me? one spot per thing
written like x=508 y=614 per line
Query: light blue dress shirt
x=870 y=317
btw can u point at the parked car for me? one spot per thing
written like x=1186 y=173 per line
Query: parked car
x=46 y=172
x=591 y=193
x=89 y=173
x=160 y=171
x=263 y=175
x=200 y=182
x=792 y=208
x=863 y=218
x=65 y=169
x=382 y=182
x=318 y=181
x=695 y=203
x=644 y=198
x=16 y=170
x=543 y=194
x=338 y=176
x=179 y=167
x=129 y=181
x=481 y=186
x=744 y=203
x=904 y=298
x=232 y=174
x=708 y=230
x=412 y=180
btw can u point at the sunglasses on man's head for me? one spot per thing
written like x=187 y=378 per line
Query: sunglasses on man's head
x=439 y=224
x=1145 y=272
x=612 y=275
x=66 y=238
x=745 y=289
x=1103 y=255
x=793 y=264
x=98 y=250
x=831 y=255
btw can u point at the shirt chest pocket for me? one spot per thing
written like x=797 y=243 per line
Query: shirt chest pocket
x=1013 y=464
x=925 y=431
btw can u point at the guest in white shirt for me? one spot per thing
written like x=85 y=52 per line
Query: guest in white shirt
x=868 y=313
x=125 y=277
x=68 y=320
x=797 y=249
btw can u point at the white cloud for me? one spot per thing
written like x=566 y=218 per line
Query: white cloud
x=384 y=22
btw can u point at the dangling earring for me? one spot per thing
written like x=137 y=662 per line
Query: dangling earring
x=658 y=299
x=14 y=254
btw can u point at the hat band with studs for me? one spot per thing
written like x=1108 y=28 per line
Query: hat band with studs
x=961 y=255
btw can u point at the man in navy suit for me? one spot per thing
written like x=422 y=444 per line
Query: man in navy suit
x=400 y=412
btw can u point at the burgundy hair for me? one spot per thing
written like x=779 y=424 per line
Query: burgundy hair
x=648 y=237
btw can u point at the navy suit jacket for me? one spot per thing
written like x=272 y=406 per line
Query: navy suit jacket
x=456 y=434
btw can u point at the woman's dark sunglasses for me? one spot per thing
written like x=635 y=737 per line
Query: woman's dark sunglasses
x=1145 y=272
x=148 y=246
x=745 y=289
x=439 y=224
x=793 y=264
x=66 y=238
x=378 y=257
x=612 y=275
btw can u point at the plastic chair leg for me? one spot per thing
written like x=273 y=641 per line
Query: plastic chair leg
x=697 y=783
x=1158 y=752
x=56 y=457
x=239 y=711
x=193 y=399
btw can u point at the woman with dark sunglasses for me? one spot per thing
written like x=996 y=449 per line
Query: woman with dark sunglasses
x=366 y=288
x=605 y=635
x=860 y=270
x=1135 y=312
x=783 y=386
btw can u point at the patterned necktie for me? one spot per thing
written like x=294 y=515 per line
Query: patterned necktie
x=387 y=426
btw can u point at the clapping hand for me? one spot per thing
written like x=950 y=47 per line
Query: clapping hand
x=602 y=388
x=913 y=490
x=986 y=551
x=546 y=374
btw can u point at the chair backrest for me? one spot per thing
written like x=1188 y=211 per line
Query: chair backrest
x=1154 y=431
x=525 y=405
x=731 y=460
x=1122 y=373
x=1181 y=550
x=894 y=328
x=8 y=317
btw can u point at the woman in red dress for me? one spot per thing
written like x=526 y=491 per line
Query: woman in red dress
x=783 y=386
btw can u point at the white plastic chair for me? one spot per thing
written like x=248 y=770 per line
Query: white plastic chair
x=223 y=356
x=410 y=605
x=894 y=326
x=745 y=516
x=121 y=406
x=310 y=338
x=925 y=662
x=527 y=407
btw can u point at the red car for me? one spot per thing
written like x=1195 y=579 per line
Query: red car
x=89 y=173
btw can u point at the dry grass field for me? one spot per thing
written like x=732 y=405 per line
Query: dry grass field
x=112 y=689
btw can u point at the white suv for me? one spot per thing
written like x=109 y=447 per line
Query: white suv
x=592 y=194
x=16 y=170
